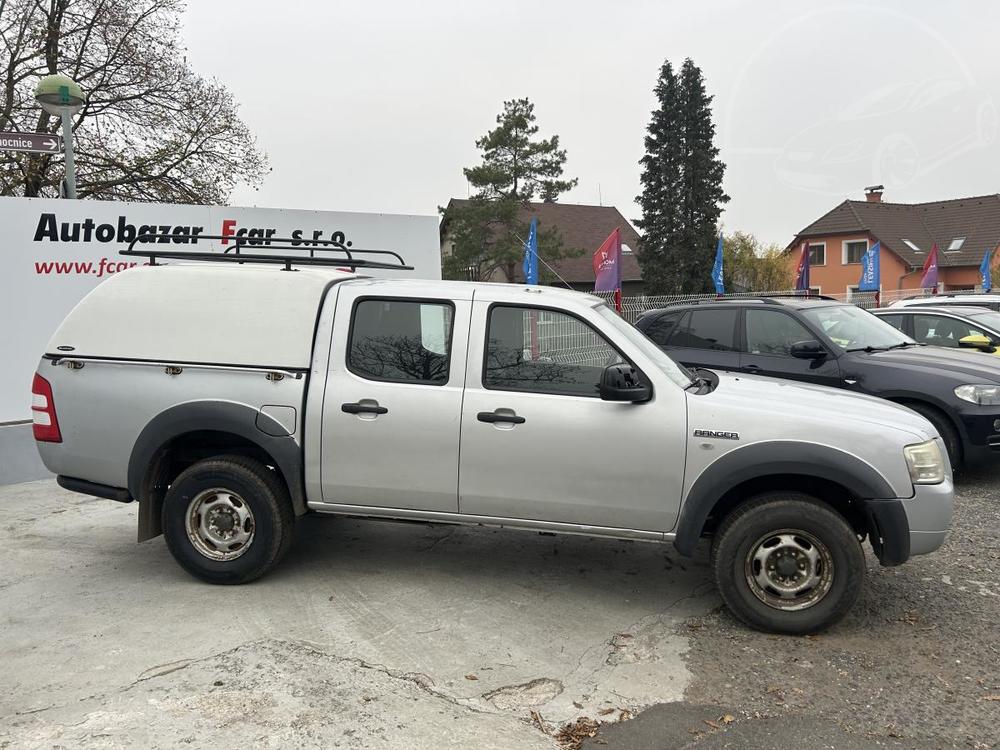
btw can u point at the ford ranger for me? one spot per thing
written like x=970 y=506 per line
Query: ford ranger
x=230 y=399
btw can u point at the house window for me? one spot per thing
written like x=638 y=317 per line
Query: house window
x=910 y=244
x=956 y=245
x=854 y=250
x=817 y=253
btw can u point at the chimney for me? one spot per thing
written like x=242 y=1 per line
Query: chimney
x=873 y=193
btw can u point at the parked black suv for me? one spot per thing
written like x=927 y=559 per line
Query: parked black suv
x=821 y=340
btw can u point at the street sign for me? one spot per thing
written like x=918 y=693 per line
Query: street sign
x=39 y=143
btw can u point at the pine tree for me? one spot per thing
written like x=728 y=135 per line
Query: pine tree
x=682 y=193
x=486 y=233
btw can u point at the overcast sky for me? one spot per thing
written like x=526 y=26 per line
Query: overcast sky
x=375 y=106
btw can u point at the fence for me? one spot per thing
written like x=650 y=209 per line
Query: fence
x=633 y=307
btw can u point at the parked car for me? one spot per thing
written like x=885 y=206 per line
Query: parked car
x=959 y=326
x=991 y=301
x=823 y=341
x=231 y=399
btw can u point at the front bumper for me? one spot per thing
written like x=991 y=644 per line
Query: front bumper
x=902 y=527
x=982 y=434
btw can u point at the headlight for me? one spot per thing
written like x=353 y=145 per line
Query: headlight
x=924 y=462
x=984 y=395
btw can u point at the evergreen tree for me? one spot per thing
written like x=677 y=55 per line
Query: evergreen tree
x=486 y=233
x=682 y=193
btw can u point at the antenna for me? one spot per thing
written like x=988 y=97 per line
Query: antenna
x=600 y=199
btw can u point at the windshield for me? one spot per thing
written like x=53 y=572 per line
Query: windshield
x=852 y=328
x=988 y=318
x=663 y=363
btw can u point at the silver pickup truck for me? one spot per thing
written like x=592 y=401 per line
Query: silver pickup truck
x=230 y=399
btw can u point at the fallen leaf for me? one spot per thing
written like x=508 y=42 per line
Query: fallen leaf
x=577 y=705
x=606 y=711
x=471 y=677
x=728 y=719
x=991 y=697
x=711 y=723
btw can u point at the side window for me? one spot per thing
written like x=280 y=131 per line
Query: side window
x=661 y=329
x=543 y=351
x=401 y=341
x=939 y=330
x=896 y=321
x=772 y=332
x=708 y=329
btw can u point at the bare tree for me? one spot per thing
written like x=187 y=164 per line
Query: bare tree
x=151 y=130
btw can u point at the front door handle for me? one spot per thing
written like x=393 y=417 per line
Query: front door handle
x=494 y=417
x=371 y=407
x=751 y=367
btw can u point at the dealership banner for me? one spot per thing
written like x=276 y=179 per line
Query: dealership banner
x=55 y=251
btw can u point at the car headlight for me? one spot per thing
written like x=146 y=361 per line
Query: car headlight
x=925 y=463
x=984 y=395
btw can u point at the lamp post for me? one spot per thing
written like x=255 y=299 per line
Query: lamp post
x=61 y=95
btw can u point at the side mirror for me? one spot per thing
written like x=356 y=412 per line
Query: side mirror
x=977 y=342
x=808 y=350
x=623 y=383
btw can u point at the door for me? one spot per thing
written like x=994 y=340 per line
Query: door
x=393 y=402
x=538 y=442
x=706 y=337
x=768 y=339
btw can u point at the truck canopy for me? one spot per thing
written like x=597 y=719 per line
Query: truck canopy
x=200 y=314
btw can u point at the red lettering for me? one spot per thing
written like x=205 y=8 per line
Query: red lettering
x=228 y=229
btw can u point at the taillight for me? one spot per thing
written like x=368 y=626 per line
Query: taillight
x=43 y=412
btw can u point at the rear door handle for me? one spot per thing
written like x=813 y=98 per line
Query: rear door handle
x=363 y=408
x=494 y=417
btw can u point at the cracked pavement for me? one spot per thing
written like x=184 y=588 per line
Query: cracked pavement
x=369 y=634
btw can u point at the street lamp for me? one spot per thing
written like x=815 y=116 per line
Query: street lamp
x=61 y=95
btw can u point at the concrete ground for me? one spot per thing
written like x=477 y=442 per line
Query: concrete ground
x=369 y=635
x=383 y=635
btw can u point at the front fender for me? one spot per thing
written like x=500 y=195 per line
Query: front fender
x=780 y=457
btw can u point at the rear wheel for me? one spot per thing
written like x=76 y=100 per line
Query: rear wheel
x=788 y=563
x=945 y=429
x=227 y=519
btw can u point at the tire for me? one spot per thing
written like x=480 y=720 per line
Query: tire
x=792 y=524
x=945 y=429
x=227 y=520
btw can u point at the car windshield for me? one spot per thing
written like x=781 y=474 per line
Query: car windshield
x=988 y=318
x=852 y=328
x=666 y=365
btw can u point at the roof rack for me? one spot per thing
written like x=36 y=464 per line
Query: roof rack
x=769 y=299
x=236 y=252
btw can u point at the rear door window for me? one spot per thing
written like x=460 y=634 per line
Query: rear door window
x=402 y=341
x=712 y=328
x=661 y=329
x=896 y=321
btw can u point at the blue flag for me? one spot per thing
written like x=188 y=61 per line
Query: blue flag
x=985 y=271
x=720 y=288
x=871 y=272
x=531 y=254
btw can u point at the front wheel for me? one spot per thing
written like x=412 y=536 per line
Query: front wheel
x=227 y=519
x=787 y=563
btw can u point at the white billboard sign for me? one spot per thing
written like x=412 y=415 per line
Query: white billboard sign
x=55 y=251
